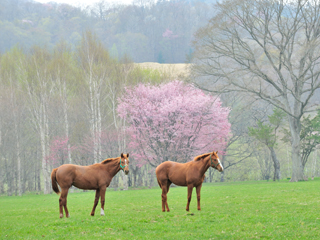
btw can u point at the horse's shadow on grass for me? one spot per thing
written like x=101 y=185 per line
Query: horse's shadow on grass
x=190 y=214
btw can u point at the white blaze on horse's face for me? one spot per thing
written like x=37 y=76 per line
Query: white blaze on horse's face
x=220 y=164
x=126 y=166
x=125 y=159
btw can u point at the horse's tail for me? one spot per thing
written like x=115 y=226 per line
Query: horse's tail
x=159 y=183
x=54 y=181
x=157 y=169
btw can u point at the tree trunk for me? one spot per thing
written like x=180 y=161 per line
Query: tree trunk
x=297 y=168
x=44 y=149
x=222 y=177
x=223 y=158
x=124 y=180
x=65 y=113
x=276 y=165
x=18 y=159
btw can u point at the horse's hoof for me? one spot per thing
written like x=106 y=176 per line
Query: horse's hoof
x=61 y=216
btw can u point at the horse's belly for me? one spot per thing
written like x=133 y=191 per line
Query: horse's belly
x=180 y=181
x=84 y=183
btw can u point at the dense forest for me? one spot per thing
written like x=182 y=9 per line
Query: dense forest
x=148 y=31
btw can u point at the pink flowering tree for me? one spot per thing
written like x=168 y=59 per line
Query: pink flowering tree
x=84 y=155
x=173 y=121
x=169 y=34
x=58 y=151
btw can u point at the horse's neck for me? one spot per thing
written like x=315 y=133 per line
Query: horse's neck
x=113 y=167
x=205 y=165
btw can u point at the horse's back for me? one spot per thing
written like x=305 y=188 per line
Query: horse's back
x=67 y=169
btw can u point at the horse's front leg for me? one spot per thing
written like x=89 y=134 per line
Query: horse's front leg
x=96 y=200
x=198 y=189
x=102 y=195
x=190 y=187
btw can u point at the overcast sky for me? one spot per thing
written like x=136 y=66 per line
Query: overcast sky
x=84 y=2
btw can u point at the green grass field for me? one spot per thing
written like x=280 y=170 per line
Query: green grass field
x=241 y=210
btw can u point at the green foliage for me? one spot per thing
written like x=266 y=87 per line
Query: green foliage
x=309 y=135
x=264 y=133
x=310 y=131
x=239 y=210
x=160 y=58
x=267 y=133
x=114 y=52
x=147 y=75
x=277 y=117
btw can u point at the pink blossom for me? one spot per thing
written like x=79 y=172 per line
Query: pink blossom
x=169 y=34
x=58 y=151
x=173 y=121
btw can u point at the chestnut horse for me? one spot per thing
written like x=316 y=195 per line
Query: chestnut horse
x=190 y=174
x=94 y=177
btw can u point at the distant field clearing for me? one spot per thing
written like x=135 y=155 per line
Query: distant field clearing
x=177 y=70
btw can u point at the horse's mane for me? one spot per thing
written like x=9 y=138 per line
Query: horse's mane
x=198 y=158
x=108 y=160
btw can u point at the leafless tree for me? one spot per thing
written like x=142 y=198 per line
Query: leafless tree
x=267 y=48
x=95 y=61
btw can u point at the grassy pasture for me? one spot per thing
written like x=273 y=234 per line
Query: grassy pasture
x=240 y=210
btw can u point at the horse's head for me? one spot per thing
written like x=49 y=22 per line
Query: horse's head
x=124 y=163
x=215 y=161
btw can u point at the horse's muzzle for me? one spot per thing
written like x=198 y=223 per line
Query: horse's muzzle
x=126 y=172
x=221 y=168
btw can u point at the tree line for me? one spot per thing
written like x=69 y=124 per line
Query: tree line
x=149 y=31
x=60 y=107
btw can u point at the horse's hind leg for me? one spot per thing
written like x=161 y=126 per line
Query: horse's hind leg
x=96 y=200
x=164 y=187
x=168 y=186
x=63 y=202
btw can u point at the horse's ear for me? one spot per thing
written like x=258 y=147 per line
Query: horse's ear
x=122 y=155
x=127 y=155
x=216 y=152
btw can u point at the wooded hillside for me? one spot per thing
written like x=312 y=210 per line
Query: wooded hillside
x=147 y=31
